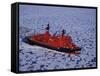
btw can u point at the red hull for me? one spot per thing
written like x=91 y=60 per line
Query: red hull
x=60 y=43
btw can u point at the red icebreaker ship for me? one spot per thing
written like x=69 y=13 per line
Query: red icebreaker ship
x=59 y=43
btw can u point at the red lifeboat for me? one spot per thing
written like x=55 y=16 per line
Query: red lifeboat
x=59 y=43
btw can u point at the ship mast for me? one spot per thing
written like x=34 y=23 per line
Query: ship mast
x=48 y=27
x=63 y=32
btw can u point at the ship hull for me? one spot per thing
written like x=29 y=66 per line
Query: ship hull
x=65 y=50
